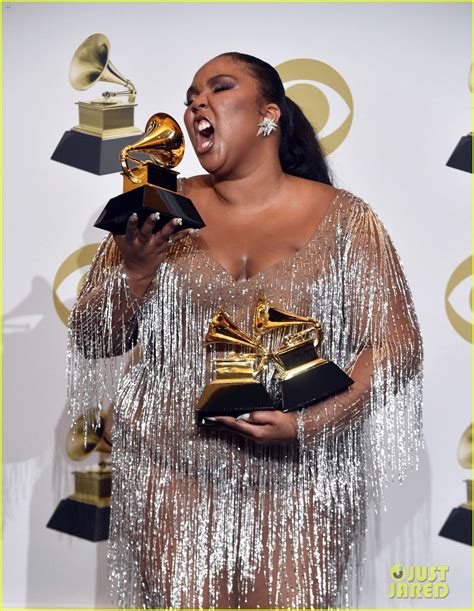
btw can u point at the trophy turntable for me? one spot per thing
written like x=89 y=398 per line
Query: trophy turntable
x=458 y=526
x=86 y=513
x=149 y=182
x=302 y=377
x=105 y=124
x=235 y=390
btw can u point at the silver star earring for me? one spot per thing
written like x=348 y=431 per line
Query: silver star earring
x=266 y=127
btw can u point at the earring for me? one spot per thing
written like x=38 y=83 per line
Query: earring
x=266 y=127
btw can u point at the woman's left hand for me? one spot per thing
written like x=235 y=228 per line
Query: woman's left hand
x=263 y=426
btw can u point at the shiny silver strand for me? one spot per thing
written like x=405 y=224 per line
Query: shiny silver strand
x=202 y=511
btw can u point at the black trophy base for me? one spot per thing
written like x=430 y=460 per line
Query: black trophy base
x=461 y=158
x=91 y=153
x=145 y=200
x=313 y=385
x=232 y=399
x=82 y=520
x=458 y=526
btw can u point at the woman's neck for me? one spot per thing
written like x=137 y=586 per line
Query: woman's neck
x=250 y=192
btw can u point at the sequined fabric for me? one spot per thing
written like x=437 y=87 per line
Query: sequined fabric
x=203 y=515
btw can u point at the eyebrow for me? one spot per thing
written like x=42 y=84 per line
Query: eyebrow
x=193 y=89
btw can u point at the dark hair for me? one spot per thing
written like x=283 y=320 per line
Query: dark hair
x=300 y=152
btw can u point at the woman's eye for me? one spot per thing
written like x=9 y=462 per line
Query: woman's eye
x=221 y=88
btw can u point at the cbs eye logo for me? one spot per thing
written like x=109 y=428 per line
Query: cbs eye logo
x=309 y=84
x=457 y=288
x=72 y=271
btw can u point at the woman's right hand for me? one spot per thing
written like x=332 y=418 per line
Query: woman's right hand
x=143 y=251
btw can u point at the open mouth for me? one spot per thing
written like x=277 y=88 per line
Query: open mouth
x=204 y=136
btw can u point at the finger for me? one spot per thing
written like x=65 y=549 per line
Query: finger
x=132 y=226
x=179 y=235
x=168 y=229
x=262 y=416
x=146 y=229
x=254 y=431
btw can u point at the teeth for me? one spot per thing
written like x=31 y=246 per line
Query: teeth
x=203 y=124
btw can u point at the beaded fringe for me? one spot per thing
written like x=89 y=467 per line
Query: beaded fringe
x=198 y=511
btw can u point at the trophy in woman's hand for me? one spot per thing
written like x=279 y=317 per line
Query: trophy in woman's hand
x=304 y=377
x=235 y=390
x=150 y=185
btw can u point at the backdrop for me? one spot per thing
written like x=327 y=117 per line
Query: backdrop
x=387 y=84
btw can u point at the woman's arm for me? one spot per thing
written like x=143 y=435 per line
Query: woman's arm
x=121 y=279
x=104 y=323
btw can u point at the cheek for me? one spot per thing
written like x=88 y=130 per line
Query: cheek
x=239 y=119
x=188 y=120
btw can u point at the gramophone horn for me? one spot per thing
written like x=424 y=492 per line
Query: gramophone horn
x=223 y=330
x=465 y=448
x=91 y=63
x=267 y=318
x=80 y=445
x=163 y=142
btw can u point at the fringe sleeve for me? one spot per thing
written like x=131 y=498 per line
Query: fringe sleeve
x=383 y=337
x=102 y=329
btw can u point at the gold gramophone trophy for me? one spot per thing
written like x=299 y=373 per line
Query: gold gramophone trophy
x=458 y=526
x=86 y=513
x=304 y=378
x=150 y=185
x=235 y=389
x=106 y=124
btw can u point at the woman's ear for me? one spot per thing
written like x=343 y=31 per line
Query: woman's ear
x=273 y=112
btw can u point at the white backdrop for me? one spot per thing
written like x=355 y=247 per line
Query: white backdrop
x=406 y=66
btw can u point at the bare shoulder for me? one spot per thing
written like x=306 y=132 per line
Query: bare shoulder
x=312 y=194
x=198 y=184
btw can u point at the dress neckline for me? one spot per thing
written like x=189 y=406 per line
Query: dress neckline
x=271 y=268
x=281 y=262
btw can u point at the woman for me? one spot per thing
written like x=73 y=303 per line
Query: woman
x=267 y=510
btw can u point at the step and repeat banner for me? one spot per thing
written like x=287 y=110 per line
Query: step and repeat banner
x=386 y=86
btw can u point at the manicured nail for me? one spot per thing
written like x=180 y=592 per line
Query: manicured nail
x=170 y=240
x=211 y=418
x=134 y=216
x=178 y=221
x=155 y=216
x=194 y=232
x=243 y=417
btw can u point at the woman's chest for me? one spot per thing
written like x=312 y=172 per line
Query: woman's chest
x=194 y=284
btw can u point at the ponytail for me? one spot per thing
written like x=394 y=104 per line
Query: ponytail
x=300 y=153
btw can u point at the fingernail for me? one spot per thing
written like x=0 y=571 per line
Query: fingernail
x=178 y=221
x=243 y=417
x=194 y=232
x=170 y=240
x=211 y=418
x=134 y=216
x=155 y=216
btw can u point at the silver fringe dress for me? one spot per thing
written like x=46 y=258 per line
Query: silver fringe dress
x=197 y=511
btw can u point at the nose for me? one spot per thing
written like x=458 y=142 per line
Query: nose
x=199 y=102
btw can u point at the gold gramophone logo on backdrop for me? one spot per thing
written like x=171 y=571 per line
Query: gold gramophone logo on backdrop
x=301 y=78
x=462 y=326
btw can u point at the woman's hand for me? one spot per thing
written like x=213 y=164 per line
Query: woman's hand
x=143 y=251
x=263 y=426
